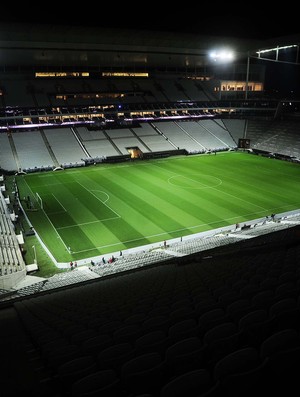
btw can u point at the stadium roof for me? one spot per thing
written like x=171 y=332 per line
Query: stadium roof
x=52 y=45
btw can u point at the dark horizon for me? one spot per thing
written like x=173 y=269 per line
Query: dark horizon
x=177 y=20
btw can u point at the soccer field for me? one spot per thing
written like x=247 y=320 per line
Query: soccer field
x=95 y=210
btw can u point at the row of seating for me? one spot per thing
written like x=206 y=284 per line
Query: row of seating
x=215 y=327
x=10 y=255
x=248 y=371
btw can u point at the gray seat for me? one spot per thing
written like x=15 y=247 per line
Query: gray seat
x=191 y=384
x=143 y=374
x=104 y=383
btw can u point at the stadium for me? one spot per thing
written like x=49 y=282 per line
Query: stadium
x=150 y=213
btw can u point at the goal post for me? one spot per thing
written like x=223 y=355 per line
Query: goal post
x=39 y=200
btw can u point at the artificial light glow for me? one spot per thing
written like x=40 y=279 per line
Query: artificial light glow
x=276 y=49
x=224 y=55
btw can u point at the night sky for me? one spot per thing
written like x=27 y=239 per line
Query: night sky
x=152 y=16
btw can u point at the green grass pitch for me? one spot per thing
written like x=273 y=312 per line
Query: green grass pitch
x=101 y=209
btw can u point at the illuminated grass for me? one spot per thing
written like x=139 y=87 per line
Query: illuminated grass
x=110 y=207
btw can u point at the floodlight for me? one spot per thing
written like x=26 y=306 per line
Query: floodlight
x=222 y=55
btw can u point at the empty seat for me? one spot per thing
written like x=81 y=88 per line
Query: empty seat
x=254 y=327
x=238 y=309
x=110 y=327
x=281 y=306
x=282 y=372
x=183 y=302
x=221 y=340
x=227 y=298
x=219 y=331
x=136 y=318
x=286 y=277
x=47 y=347
x=281 y=340
x=127 y=333
x=97 y=322
x=144 y=395
x=282 y=352
x=143 y=374
x=205 y=305
x=97 y=343
x=263 y=299
x=270 y=282
x=158 y=322
x=241 y=373
x=62 y=354
x=238 y=361
x=287 y=289
x=184 y=356
x=104 y=383
x=73 y=370
x=191 y=384
x=159 y=310
x=72 y=329
x=256 y=279
x=221 y=290
x=154 y=341
x=212 y=318
x=79 y=337
x=47 y=337
x=183 y=329
x=289 y=318
x=181 y=313
x=113 y=357
x=248 y=291
x=253 y=317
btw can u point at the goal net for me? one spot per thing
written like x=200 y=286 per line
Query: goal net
x=39 y=200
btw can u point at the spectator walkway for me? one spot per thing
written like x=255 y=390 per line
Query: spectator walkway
x=153 y=254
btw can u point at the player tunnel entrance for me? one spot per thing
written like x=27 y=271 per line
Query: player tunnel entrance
x=135 y=152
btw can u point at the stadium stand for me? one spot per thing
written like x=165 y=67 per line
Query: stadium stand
x=147 y=352
x=215 y=314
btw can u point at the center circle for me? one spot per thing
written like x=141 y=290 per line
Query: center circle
x=194 y=181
